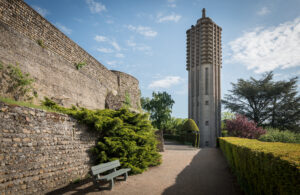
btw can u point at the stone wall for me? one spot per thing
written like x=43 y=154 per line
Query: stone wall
x=52 y=66
x=41 y=151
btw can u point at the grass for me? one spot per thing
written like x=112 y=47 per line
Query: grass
x=25 y=104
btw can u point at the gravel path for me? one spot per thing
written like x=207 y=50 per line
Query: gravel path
x=184 y=170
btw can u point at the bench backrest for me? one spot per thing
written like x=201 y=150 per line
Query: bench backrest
x=105 y=167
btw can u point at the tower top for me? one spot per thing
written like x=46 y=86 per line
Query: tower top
x=203 y=13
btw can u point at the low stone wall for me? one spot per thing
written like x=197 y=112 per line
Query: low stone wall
x=41 y=151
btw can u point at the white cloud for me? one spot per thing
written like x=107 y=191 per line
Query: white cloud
x=143 y=47
x=263 y=11
x=166 y=82
x=115 y=45
x=111 y=63
x=40 y=10
x=172 y=17
x=95 y=7
x=105 y=50
x=143 y=30
x=139 y=47
x=131 y=43
x=171 y=3
x=100 y=38
x=265 y=49
x=120 y=55
x=63 y=28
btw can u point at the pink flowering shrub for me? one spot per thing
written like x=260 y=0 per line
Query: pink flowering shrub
x=242 y=127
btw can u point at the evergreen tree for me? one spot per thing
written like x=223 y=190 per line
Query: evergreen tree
x=267 y=102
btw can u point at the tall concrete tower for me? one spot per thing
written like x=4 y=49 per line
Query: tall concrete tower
x=203 y=63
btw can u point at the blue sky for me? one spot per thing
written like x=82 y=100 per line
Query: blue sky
x=146 y=38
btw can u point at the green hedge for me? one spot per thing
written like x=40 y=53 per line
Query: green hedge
x=263 y=167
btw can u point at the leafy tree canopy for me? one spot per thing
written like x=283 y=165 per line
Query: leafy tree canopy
x=159 y=107
x=267 y=102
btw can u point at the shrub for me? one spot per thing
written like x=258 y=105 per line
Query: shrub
x=275 y=135
x=262 y=167
x=242 y=127
x=123 y=135
x=224 y=133
x=190 y=126
x=191 y=129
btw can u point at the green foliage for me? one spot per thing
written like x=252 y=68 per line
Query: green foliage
x=25 y=104
x=190 y=129
x=160 y=108
x=76 y=181
x=1 y=66
x=19 y=84
x=224 y=133
x=127 y=102
x=267 y=102
x=40 y=43
x=173 y=126
x=123 y=135
x=262 y=167
x=190 y=125
x=275 y=135
x=35 y=94
x=80 y=65
x=226 y=116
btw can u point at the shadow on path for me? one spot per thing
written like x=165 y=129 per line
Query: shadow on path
x=75 y=188
x=207 y=174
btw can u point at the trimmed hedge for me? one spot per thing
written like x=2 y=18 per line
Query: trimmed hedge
x=263 y=167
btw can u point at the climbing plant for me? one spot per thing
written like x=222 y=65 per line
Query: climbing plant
x=127 y=102
x=80 y=65
x=18 y=83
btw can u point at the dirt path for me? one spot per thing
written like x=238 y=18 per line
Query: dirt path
x=184 y=171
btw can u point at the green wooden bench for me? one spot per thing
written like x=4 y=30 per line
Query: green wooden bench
x=108 y=167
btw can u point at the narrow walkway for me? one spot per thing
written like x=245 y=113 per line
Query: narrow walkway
x=185 y=170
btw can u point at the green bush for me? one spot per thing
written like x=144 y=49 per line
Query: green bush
x=123 y=135
x=190 y=132
x=190 y=126
x=263 y=167
x=224 y=133
x=275 y=135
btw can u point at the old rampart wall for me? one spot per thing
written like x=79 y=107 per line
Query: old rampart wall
x=53 y=65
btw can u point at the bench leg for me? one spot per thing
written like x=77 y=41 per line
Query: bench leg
x=125 y=176
x=111 y=184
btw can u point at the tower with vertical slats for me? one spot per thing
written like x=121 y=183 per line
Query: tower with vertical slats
x=203 y=63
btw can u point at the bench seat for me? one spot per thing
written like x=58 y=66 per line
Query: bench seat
x=98 y=170
x=114 y=174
